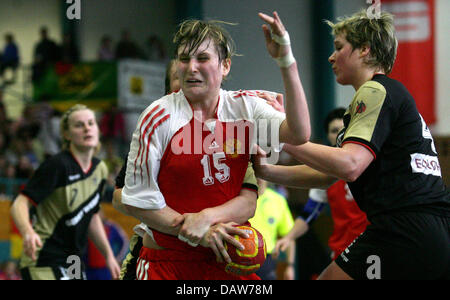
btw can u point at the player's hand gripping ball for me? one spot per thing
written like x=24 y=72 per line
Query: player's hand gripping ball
x=249 y=260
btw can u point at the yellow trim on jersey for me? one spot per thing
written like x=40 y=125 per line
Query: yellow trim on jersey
x=250 y=175
x=364 y=111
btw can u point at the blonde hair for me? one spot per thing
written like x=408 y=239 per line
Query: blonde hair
x=377 y=33
x=192 y=33
x=64 y=125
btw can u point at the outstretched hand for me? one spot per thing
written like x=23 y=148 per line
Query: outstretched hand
x=276 y=27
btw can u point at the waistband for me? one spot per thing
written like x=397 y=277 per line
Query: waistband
x=176 y=255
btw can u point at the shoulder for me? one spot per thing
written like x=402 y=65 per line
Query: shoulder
x=100 y=165
x=58 y=162
x=244 y=104
x=370 y=95
x=371 y=89
x=169 y=106
x=241 y=97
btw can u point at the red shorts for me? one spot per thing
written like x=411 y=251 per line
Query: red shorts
x=182 y=265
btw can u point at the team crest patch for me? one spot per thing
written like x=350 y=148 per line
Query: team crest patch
x=361 y=107
x=233 y=148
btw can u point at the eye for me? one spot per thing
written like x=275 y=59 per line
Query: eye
x=184 y=58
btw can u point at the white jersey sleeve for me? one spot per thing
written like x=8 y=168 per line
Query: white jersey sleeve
x=146 y=150
x=318 y=195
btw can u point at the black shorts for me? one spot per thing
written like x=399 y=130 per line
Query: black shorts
x=268 y=270
x=400 y=245
x=52 y=273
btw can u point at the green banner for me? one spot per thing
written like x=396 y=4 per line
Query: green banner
x=63 y=85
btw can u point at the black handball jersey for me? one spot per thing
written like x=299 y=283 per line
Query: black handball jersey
x=65 y=200
x=405 y=172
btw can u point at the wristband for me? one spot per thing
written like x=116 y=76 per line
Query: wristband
x=288 y=59
x=281 y=40
x=285 y=61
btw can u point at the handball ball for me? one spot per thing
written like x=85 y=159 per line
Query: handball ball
x=249 y=260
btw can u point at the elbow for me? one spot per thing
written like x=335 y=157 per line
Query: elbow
x=350 y=174
x=251 y=208
x=300 y=139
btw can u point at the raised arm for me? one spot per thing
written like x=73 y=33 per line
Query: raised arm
x=296 y=129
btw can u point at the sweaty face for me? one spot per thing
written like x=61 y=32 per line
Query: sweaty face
x=83 y=130
x=344 y=60
x=200 y=73
x=334 y=127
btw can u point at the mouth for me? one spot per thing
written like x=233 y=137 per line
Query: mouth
x=193 y=81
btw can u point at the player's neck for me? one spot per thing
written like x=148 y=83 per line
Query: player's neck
x=83 y=157
x=365 y=75
x=206 y=109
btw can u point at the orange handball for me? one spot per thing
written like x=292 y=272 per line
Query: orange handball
x=247 y=261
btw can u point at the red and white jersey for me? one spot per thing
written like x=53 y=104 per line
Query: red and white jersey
x=349 y=221
x=177 y=160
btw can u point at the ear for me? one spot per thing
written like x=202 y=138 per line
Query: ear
x=364 y=51
x=66 y=135
x=226 y=67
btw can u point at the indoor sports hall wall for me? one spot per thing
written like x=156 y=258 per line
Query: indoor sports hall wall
x=253 y=70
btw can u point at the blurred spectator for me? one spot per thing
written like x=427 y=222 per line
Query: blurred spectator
x=10 y=56
x=105 y=52
x=49 y=128
x=69 y=50
x=7 y=187
x=25 y=168
x=126 y=48
x=156 y=49
x=114 y=164
x=3 y=164
x=112 y=127
x=4 y=121
x=46 y=52
x=9 y=271
x=3 y=143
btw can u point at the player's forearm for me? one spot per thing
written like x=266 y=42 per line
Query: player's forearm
x=299 y=229
x=333 y=161
x=297 y=114
x=290 y=253
x=239 y=209
x=161 y=220
x=295 y=176
x=20 y=215
x=98 y=236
